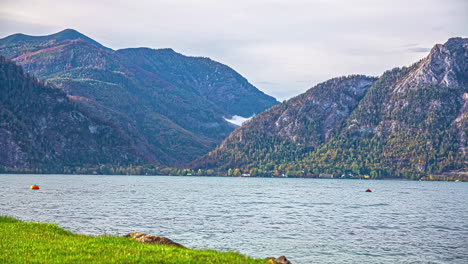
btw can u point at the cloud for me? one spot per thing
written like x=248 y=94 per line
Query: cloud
x=265 y=83
x=419 y=49
x=14 y=23
x=237 y=120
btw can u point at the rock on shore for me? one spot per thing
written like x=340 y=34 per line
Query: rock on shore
x=151 y=239
x=280 y=260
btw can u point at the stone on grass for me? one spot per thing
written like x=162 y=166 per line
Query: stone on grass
x=151 y=239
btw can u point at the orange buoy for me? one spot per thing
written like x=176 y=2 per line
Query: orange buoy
x=34 y=187
x=368 y=190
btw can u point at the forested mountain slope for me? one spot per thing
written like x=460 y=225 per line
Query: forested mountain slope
x=40 y=127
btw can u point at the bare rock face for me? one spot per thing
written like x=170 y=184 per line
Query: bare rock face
x=444 y=66
x=280 y=260
x=321 y=109
x=151 y=239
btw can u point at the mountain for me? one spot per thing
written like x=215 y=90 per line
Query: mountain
x=173 y=107
x=288 y=131
x=215 y=82
x=16 y=44
x=41 y=127
x=409 y=122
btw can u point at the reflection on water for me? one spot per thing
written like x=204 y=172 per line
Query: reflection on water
x=308 y=220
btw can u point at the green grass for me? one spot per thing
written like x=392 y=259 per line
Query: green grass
x=29 y=242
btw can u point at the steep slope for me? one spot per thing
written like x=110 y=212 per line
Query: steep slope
x=216 y=82
x=412 y=121
x=137 y=101
x=41 y=128
x=288 y=132
x=156 y=99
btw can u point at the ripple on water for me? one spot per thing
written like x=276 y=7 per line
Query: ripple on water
x=308 y=220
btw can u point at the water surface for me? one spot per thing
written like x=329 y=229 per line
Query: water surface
x=308 y=220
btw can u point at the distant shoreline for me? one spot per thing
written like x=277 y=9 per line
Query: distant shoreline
x=444 y=178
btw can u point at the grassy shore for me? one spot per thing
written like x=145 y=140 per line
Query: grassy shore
x=29 y=242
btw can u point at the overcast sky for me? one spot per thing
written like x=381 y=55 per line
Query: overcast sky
x=283 y=47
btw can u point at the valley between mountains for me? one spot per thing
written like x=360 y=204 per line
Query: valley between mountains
x=173 y=108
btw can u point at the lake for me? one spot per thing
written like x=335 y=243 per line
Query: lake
x=307 y=220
